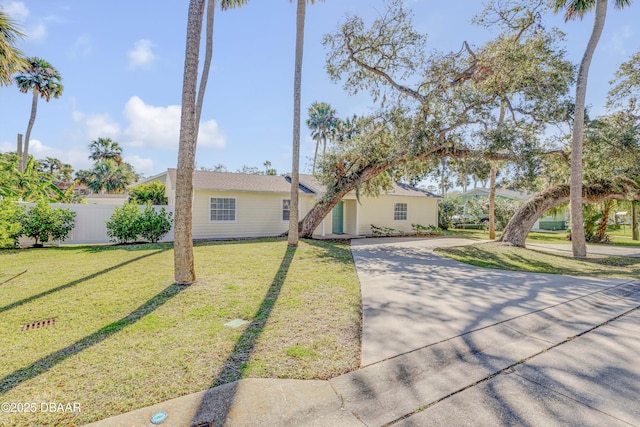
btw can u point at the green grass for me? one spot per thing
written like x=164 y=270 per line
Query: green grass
x=125 y=336
x=619 y=236
x=504 y=257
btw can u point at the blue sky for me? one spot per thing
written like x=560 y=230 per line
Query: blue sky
x=122 y=63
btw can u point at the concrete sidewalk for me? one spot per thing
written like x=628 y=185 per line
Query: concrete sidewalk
x=449 y=344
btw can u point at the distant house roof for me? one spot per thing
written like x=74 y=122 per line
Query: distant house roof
x=501 y=192
x=227 y=181
x=399 y=189
x=106 y=196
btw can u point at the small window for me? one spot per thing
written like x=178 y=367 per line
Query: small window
x=286 y=209
x=400 y=212
x=223 y=209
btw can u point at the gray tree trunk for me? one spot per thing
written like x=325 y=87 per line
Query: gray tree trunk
x=27 y=136
x=19 y=151
x=577 y=227
x=295 y=163
x=183 y=240
x=492 y=201
x=518 y=228
x=635 y=227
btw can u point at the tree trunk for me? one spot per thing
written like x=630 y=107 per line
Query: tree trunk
x=208 y=54
x=295 y=163
x=19 y=152
x=27 y=136
x=577 y=231
x=315 y=156
x=635 y=228
x=183 y=240
x=602 y=227
x=492 y=202
x=520 y=224
x=333 y=195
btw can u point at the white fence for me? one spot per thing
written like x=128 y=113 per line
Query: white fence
x=90 y=223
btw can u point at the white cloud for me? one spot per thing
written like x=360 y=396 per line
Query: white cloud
x=37 y=33
x=81 y=47
x=141 y=56
x=140 y=164
x=619 y=39
x=17 y=10
x=159 y=127
x=98 y=125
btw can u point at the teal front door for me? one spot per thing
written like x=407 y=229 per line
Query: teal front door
x=337 y=223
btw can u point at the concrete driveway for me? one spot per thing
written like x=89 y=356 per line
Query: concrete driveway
x=413 y=298
x=446 y=344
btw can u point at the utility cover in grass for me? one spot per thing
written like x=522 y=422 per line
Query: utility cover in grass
x=235 y=323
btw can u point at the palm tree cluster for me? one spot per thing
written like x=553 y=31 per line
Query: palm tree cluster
x=326 y=126
x=110 y=174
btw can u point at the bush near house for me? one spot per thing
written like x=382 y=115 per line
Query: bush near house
x=42 y=223
x=383 y=231
x=127 y=224
x=425 y=230
x=10 y=226
x=152 y=192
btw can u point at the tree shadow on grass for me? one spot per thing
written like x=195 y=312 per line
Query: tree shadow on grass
x=76 y=282
x=44 y=364
x=215 y=405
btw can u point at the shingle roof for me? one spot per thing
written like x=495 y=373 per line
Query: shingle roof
x=227 y=181
x=399 y=189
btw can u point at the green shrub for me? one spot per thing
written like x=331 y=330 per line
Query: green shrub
x=127 y=224
x=123 y=226
x=42 y=223
x=10 y=222
x=446 y=211
x=154 y=225
x=153 y=192
x=383 y=231
x=428 y=230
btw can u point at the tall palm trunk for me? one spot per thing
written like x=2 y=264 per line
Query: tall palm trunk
x=208 y=54
x=578 y=241
x=32 y=119
x=492 y=201
x=635 y=228
x=315 y=156
x=295 y=178
x=183 y=243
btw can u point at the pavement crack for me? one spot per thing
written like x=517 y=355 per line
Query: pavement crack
x=509 y=369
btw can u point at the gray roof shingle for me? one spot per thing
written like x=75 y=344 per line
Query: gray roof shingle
x=228 y=181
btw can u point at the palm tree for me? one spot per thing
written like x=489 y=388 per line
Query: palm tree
x=44 y=80
x=11 y=59
x=297 y=83
x=573 y=9
x=323 y=122
x=109 y=176
x=189 y=124
x=105 y=149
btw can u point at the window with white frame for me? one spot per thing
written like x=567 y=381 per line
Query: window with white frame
x=223 y=209
x=400 y=212
x=286 y=209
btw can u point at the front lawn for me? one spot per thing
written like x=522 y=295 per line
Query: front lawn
x=126 y=337
x=505 y=257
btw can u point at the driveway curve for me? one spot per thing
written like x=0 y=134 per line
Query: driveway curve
x=413 y=298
